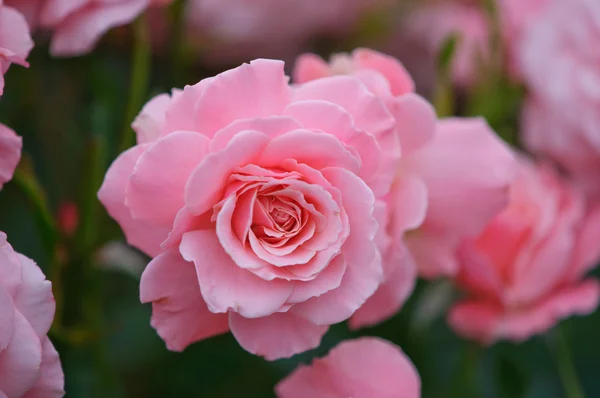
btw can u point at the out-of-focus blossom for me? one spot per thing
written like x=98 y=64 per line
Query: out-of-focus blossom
x=560 y=61
x=367 y=367
x=10 y=153
x=68 y=218
x=455 y=177
x=526 y=271
x=432 y=25
x=29 y=364
x=258 y=203
x=235 y=30
x=15 y=40
x=78 y=25
x=516 y=18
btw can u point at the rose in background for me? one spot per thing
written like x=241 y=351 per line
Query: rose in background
x=10 y=153
x=561 y=66
x=15 y=41
x=526 y=271
x=453 y=174
x=268 y=228
x=237 y=30
x=77 y=26
x=29 y=364
x=362 y=368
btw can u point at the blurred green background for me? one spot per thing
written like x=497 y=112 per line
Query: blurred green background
x=72 y=115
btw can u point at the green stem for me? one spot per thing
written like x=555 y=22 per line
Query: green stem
x=464 y=385
x=566 y=366
x=140 y=74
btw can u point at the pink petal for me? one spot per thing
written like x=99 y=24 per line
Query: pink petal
x=157 y=184
x=10 y=153
x=205 y=185
x=79 y=32
x=417 y=121
x=224 y=285
x=179 y=314
x=365 y=367
x=409 y=203
x=391 y=294
x=54 y=11
x=434 y=253
x=10 y=267
x=273 y=126
x=149 y=123
x=52 y=380
x=112 y=195
x=587 y=250
x=310 y=67
x=276 y=336
x=467 y=170
x=258 y=89
x=315 y=149
x=34 y=298
x=400 y=81
x=20 y=361
x=7 y=318
x=334 y=120
x=328 y=279
x=488 y=323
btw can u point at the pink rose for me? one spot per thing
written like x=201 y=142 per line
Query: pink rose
x=560 y=61
x=433 y=24
x=237 y=30
x=450 y=180
x=78 y=25
x=367 y=367
x=516 y=19
x=15 y=41
x=29 y=364
x=525 y=271
x=10 y=153
x=260 y=205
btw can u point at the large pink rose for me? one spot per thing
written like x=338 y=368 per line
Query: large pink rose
x=451 y=179
x=260 y=204
x=244 y=29
x=78 y=25
x=15 y=41
x=10 y=153
x=29 y=364
x=525 y=271
x=367 y=367
x=561 y=65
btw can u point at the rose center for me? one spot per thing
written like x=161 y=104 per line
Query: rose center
x=280 y=217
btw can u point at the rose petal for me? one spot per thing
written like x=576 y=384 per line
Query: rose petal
x=276 y=336
x=179 y=314
x=224 y=285
x=52 y=380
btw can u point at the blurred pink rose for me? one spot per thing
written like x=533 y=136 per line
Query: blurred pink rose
x=525 y=271
x=367 y=367
x=78 y=25
x=10 y=153
x=29 y=364
x=260 y=203
x=15 y=41
x=453 y=180
x=431 y=25
x=236 y=30
x=516 y=19
x=560 y=59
